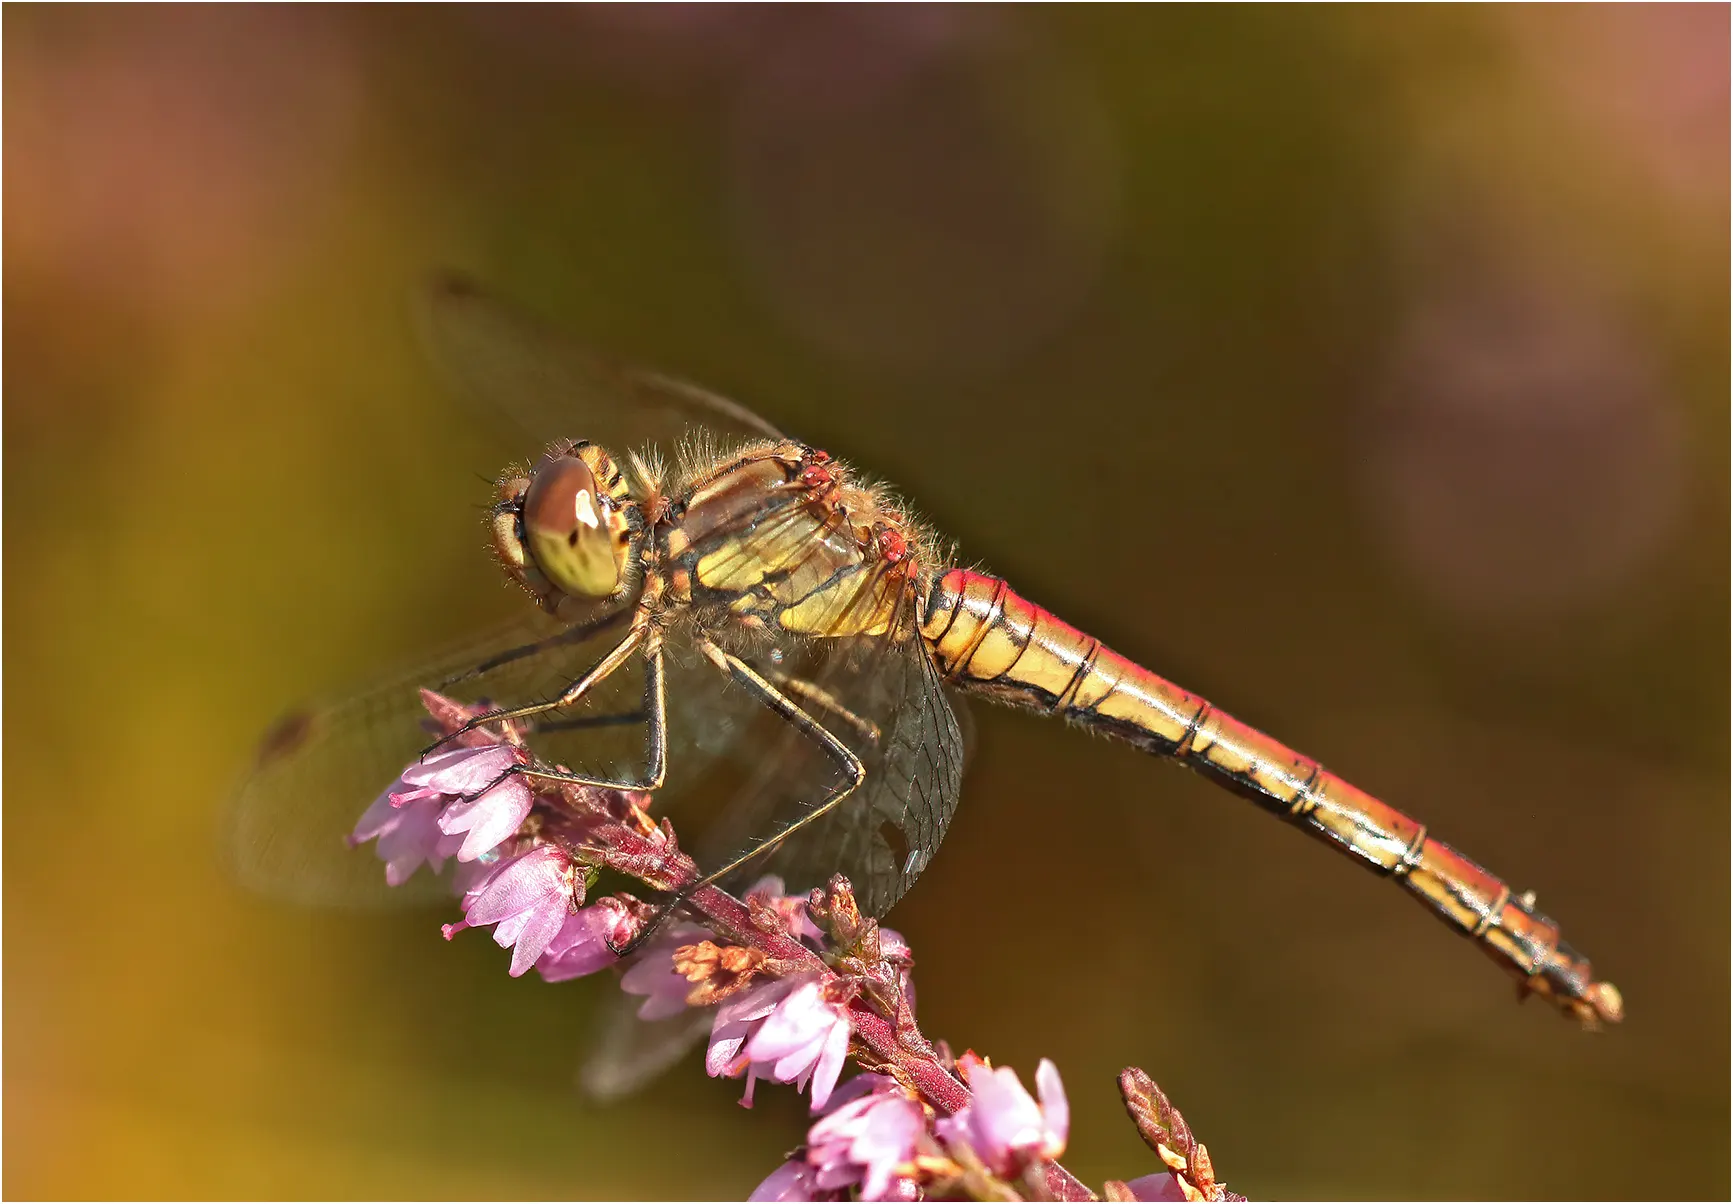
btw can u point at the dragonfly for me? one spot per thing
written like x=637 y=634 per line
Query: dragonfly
x=741 y=624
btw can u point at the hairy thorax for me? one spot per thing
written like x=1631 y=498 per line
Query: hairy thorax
x=779 y=537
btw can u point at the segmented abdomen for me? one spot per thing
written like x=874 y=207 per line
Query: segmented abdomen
x=989 y=640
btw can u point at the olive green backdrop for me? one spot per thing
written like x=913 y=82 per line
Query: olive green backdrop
x=1365 y=369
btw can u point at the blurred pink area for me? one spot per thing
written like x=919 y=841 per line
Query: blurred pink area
x=1524 y=454
x=1652 y=78
x=181 y=159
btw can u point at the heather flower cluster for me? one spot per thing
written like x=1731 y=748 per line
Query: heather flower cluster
x=453 y=804
x=878 y=1141
x=793 y=985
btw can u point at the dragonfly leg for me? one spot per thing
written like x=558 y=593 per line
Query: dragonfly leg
x=656 y=739
x=575 y=634
x=655 y=714
x=597 y=673
x=819 y=697
x=790 y=711
x=583 y=722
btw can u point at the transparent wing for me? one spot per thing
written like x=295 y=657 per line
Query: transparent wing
x=885 y=834
x=551 y=387
x=321 y=766
x=628 y=1052
x=965 y=725
x=884 y=699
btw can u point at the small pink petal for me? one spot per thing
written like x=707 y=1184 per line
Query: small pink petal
x=870 y=1130
x=506 y=931
x=861 y=1086
x=653 y=975
x=1158 y=1187
x=1055 y=1109
x=790 y=1181
x=735 y=1021
x=580 y=947
x=796 y=1065
x=830 y=1061
x=797 y=1022
x=1005 y=1117
x=489 y=819
x=374 y=820
x=540 y=927
x=539 y=878
x=758 y=1002
x=462 y=770
x=722 y=1054
x=405 y=839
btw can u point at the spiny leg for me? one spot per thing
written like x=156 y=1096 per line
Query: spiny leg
x=586 y=722
x=809 y=727
x=822 y=699
x=790 y=712
x=597 y=673
x=655 y=713
x=575 y=634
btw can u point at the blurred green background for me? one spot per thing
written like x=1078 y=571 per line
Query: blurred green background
x=1364 y=369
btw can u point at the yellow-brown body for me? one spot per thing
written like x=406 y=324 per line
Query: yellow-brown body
x=990 y=641
x=777 y=537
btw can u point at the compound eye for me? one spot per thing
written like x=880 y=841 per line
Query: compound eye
x=567 y=529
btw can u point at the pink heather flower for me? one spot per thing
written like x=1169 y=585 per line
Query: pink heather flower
x=793 y=1180
x=736 y=1020
x=485 y=820
x=1003 y=1125
x=652 y=973
x=408 y=835
x=1162 y=1186
x=528 y=898
x=580 y=947
x=784 y=1030
x=872 y=1129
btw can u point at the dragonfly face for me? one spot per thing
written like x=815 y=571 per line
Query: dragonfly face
x=792 y=641
x=567 y=529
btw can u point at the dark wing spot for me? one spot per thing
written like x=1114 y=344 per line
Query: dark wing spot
x=895 y=841
x=285 y=736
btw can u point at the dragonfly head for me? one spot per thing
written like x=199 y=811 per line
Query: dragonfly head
x=565 y=528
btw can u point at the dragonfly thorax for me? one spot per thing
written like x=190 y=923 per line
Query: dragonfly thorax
x=565 y=528
x=779 y=536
